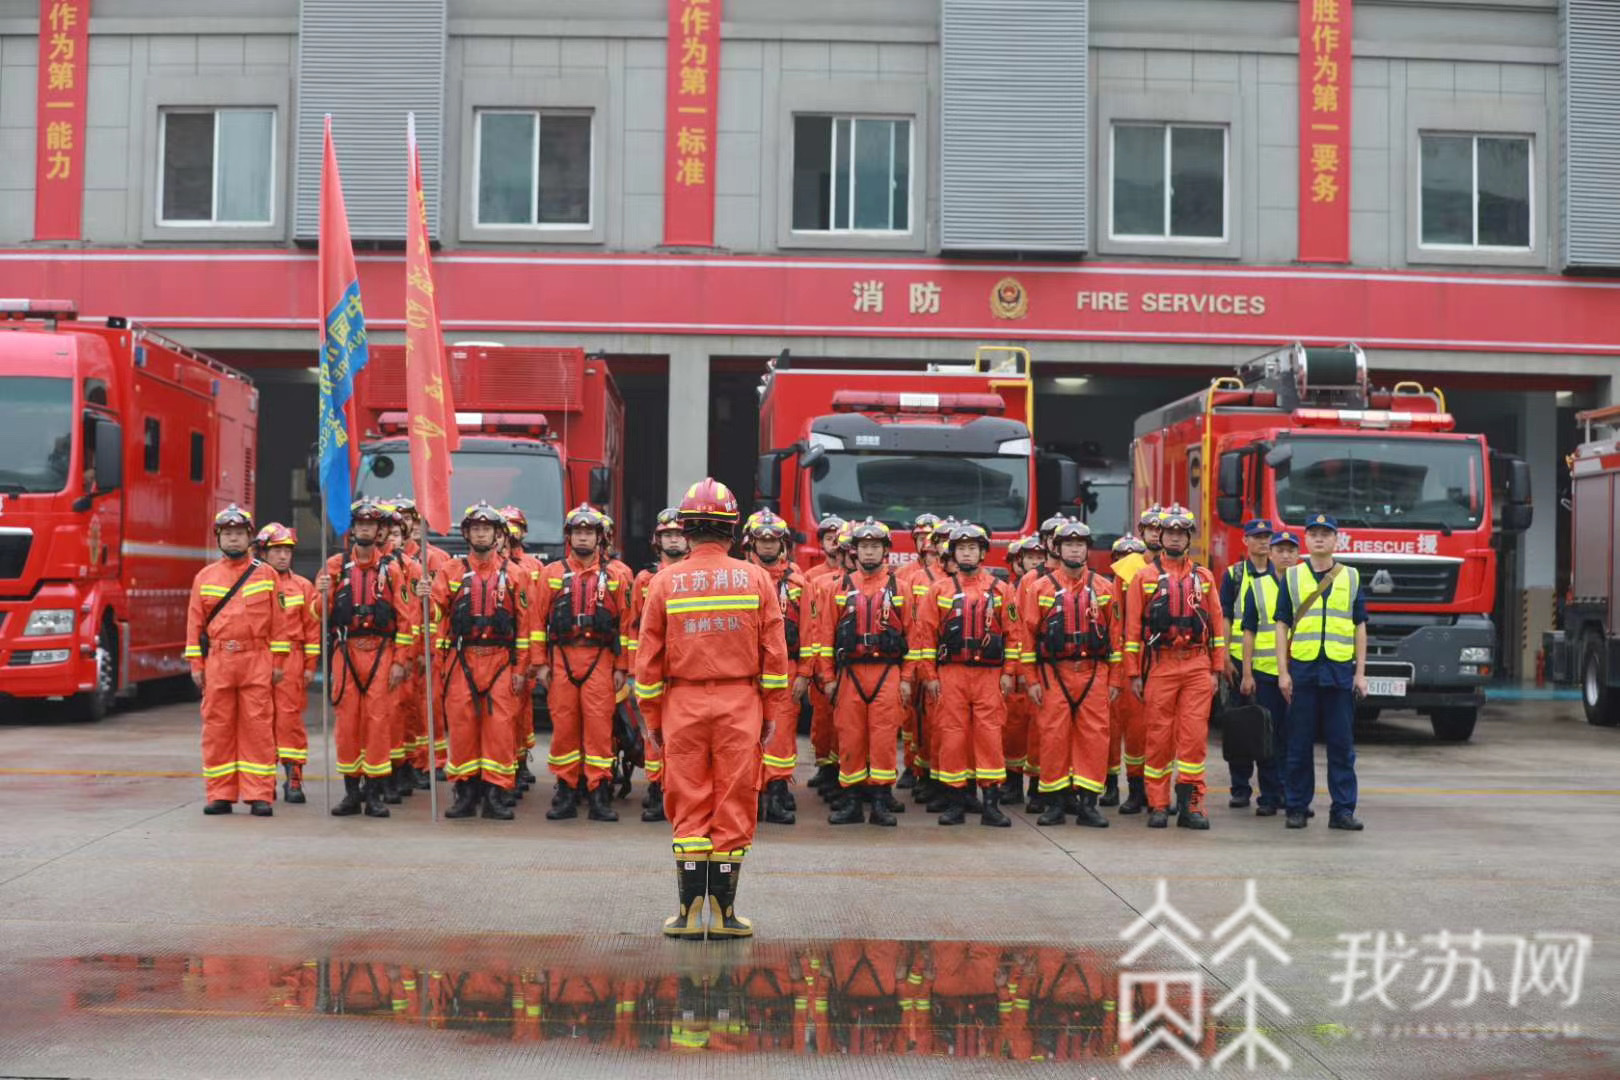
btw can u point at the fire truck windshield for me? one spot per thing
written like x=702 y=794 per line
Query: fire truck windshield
x=894 y=488
x=1382 y=483
x=532 y=481
x=36 y=433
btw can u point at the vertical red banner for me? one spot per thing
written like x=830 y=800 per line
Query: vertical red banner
x=1324 y=130
x=691 y=122
x=64 y=70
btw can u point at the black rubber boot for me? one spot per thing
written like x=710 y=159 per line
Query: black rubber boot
x=974 y=804
x=908 y=780
x=525 y=777
x=390 y=789
x=260 y=808
x=601 y=808
x=825 y=780
x=1136 y=797
x=848 y=810
x=1089 y=815
x=881 y=813
x=1190 y=809
x=991 y=815
x=939 y=799
x=653 y=804
x=692 y=885
x=293 y=790
x=1110 y=794
x=1159 y=817
x=956 y=807
x=497 y=803
x=466 y=801
x=375 y=793
x=216 y=806
x=1012 y=792
x=422 y=782
x=1036 y=803
x=789 y=803
x=565 y=807
x=352 y=799
x=925 y=790
x=776 y=811
x=1054 y=813
x=724 y=922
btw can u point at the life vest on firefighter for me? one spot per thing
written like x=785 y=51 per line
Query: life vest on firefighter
x=971 y=632
x=361 y=607
x=582 y=612
x=483 y=611
x=1073 y=629
x=1176 y=617
x=870 y=627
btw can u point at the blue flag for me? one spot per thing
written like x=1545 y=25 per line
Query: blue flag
x=343 y=345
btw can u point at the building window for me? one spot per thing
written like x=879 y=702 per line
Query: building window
x=1169 y=182
x=1476 y=192
x=218 y=167
x=152 y=444
x=851 y=174
x=534 y=168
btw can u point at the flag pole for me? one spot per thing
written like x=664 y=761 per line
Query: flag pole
x=427 y=658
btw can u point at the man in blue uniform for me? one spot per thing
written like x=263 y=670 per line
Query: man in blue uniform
x=1321 y=673
x=1236 y=585
x=1259 y=678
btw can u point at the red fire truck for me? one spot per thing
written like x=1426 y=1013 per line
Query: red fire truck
x=117 y=447
x=1301 y=431
x=542 y=429
x=952 y=441
x=1586 y=652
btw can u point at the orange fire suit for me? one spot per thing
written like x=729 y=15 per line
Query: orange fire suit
x=535 y=569
x=865 y=656
x=582 y=624
x=1075 y=678
x=238 y=711
x=638 y=604
x=291 y=695
x=376 y=636
x=482 y=612
x=965 y=641
x=823 y=733
x=1032 y=743
x=421 y=685
x=919 y=729
x=1127 y=722
x=781 y=753
x=1179 y=666
x=711 y=647
x=410 y=723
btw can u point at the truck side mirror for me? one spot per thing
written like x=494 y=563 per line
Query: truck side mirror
x=1229 y=474
x=809 y=458
x=1229 y=508
x=109 y=456
x=1520 y=509
x=768 y=477
x=1279 y=456
x=1516 y=517
x=601 y=485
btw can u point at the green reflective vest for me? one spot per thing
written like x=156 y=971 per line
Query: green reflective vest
x=1266 y=591
x=1328 y=627
x=1234 y=644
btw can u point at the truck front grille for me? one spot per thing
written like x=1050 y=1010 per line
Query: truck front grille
x=14 y=554
x=1408 y=582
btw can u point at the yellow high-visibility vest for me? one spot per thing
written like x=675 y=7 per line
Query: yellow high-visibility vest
x=1328 y=627
x=1234 y=645
x=1266 y=591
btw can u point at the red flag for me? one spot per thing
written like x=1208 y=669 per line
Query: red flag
x=427 y=374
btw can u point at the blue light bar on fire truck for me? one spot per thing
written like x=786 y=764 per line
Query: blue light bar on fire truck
x=879 y=401
x=475 y=423
x=1376 y=419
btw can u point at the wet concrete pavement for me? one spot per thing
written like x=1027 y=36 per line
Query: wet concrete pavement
x=140 y=939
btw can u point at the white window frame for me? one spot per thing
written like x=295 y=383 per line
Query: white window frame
x=1167 y=237
x=911 y=174
x=213 y=221
x=538 y=115
x=1530 y=191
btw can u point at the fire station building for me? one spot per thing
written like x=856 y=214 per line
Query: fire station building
x=1142 y=192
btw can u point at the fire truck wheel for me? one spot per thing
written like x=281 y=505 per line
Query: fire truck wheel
x=1453 y=725
x=95 y=705
x=1602 y=704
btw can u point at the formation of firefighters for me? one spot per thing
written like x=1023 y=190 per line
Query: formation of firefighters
x=970 y=690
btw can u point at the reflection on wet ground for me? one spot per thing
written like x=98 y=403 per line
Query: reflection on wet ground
x=952 y=998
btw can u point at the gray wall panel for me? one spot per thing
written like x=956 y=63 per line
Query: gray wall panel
x=1591 y=120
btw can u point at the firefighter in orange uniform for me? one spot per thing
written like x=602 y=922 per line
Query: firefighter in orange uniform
x=1126 y=721
x=1023 y=555
x=424 y=757
x=710 y=667
x=529 y=570
x=1175 y=649
x=768 y=535
x=583 y=623
x=1042 y=567
x=481 y=610
x=934 y=795
x=867 y=673
x=671 y=545
x=235 y=630
x=968 y=659
x=409 y=720
x=823 y=736
x=274 y=545
x=368 y=621
x=914 y=578
x=1071 y=642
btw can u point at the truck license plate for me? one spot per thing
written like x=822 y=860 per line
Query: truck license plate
x=1386 y=687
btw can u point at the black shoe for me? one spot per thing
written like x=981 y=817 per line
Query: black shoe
x=374 y=792
x=894 y=805
x=1088 y=814
x=525 y=777
x=1136 y=796
x=724 y=922
x=651 y=795
x=1297 y=819
x=497 y=803
x=925 y=790
x=1053 y=814
x=908 y=780
x=653 y=803
x=1037 y=803
x=776 y=811
x=1110 y=793
x=216 y=806
x=466 y=801
x=565 y=806
x=991 y=815
x=405 y=779
x=826 y=779
x=882 y=812
x=692 y=885
x=1265 y=811
x=940 y=798
x=789 y=803
x=974 y=804
x=1190 y=810
x=352 y=798
x=955 y=811
x=1347 y=822
x=422 y=782
x=1309 y=812
x=1071 y=801
x=390 y=789
x=290 y=794
x=260 y=808
x=847 y=810
x=1012 y=792
x=1238 y=802
x=601 y=808
x=1159 y=818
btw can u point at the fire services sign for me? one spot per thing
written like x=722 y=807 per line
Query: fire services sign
x=1324 y=131
x=64 y=66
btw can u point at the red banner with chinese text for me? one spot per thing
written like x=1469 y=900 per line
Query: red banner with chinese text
x=427 y=382
x=64 y=70
x=691 y=122
x=1324 y=130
